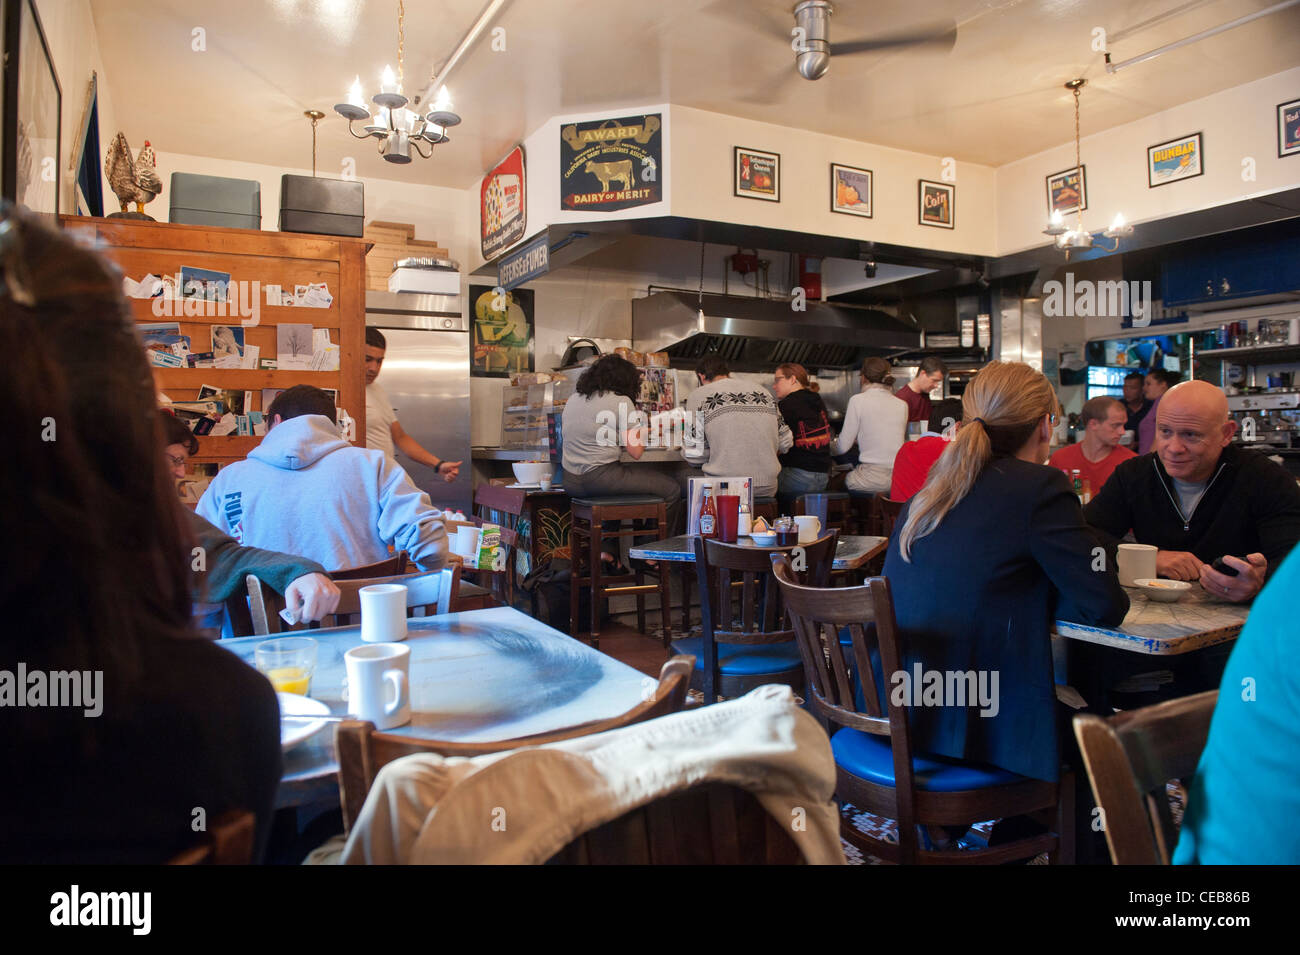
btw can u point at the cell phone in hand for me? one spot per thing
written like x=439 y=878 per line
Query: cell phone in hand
x=1223 y=568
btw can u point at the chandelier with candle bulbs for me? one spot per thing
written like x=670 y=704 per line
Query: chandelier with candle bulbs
x=398 y=128
x=1078 y=237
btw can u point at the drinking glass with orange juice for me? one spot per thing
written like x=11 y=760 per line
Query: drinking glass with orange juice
x=288 y=662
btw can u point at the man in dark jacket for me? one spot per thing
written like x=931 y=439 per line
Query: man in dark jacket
x=1198 y=497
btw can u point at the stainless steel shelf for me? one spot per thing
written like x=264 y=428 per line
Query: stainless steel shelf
x=1259 y=354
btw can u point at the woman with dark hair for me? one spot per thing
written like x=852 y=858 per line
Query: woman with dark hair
x=154 y=732
x=805 y=468
x=985 y=556
x=600 y=421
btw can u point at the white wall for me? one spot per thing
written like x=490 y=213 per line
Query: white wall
x=1236 y=123
x=70 y=32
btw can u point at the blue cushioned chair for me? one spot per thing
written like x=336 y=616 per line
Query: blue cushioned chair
x=729 y=661
x=876 y=767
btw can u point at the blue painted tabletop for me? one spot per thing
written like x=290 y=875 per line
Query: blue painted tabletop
x=476 y=676
x=851 y=552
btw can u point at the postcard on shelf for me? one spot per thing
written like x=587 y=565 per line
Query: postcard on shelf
x=203 y=359
x=267 y=364
x=228 y=342
x=294 y=346
x=227 y=425
x=269 y=395
x=251 y=353
x=206 y=284
x=148 y=287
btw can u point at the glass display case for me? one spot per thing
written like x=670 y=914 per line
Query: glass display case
x=524 y=409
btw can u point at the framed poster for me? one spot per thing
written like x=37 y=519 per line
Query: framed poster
x=33 y=101
x=501 y=332
x=611 y=164
x=757 y=174
x=1288 y=128
x=89 y=193
x=1175 y=161
x=851 y=190
x=936 y=204
x=502 y=204
x=1067 y=190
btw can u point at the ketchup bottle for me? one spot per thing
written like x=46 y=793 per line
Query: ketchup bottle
x=708 y=514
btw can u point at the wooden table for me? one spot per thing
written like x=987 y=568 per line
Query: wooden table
x=476 y=676
x=851 y=552
x=1166 y=629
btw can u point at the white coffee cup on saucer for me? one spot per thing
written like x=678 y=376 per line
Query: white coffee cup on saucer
x=810 y=527
x=383 y=613
x=1136 y=562
x=379 y=683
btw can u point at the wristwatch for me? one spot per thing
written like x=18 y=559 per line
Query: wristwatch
x=437 y=468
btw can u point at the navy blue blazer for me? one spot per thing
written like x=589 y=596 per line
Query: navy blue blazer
x=980 y=594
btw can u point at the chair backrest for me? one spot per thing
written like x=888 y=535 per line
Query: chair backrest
x=363 y=751
x=713 y=824
x=432 y=591
x=866 y=613
x=399 y=563
x=887 y=511
x=1131 y=757
x=228 y=841
x=722 y=568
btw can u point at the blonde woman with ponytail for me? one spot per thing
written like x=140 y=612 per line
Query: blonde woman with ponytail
x=986 y=555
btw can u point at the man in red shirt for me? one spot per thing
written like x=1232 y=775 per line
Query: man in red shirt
x=915 y=458
x=1097 y=455
x=916 y=393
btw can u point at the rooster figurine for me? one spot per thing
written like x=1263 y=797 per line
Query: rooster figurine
x=132 y=180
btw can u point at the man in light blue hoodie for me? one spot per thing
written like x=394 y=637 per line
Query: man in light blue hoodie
x=304 y=490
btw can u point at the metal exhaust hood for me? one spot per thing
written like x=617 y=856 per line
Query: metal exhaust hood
x=757 y=334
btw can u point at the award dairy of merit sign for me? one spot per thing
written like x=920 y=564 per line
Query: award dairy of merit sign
x=502 y=213
x=612 y=164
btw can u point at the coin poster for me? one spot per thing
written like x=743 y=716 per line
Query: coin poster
x=611 y=164
x=937 y=204
x=501 y=332
x=502 y=210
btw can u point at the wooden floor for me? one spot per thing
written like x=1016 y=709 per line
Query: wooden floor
x=625 y=644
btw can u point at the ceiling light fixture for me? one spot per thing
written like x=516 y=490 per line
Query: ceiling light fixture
x=1079 y=237
x=398 y=129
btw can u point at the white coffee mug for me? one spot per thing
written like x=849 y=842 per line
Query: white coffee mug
x=383 y=613
x=467 y=543
x=372 y=671
x=810 y=527
x=1136 y=562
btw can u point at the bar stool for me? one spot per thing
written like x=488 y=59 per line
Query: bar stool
x=586 y=536
x=862 y=507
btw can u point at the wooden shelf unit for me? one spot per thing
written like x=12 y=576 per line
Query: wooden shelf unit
x=269 y=258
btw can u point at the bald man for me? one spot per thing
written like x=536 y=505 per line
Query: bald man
x=1198 y=497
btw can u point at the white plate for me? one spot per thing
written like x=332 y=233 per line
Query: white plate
x=293 y=732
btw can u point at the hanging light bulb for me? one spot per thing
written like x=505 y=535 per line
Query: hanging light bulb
x=1057 y=225
x=355 y=107
x=442 y=113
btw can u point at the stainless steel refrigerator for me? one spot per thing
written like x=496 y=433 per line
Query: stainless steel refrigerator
x=426 y=377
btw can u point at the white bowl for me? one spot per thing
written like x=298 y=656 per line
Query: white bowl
x=1161 y=590
x=529 y=472
x=764 y=540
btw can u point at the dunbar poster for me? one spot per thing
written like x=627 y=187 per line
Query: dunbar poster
x=611 y=164
x=501 y=204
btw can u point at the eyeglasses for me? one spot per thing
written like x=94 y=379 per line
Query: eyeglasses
x=176 y=462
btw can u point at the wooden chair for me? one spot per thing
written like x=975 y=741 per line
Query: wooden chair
x=714 y=824
x=876 y=767
x=363 y=751
x=1130 y=758
x=887 y=511
x=399 y=563
x=229 y=841
x=503 y=506
x=733 y=662
x=433 y=591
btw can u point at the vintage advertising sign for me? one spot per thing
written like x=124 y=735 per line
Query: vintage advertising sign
x=612 y=164
x=851 y=190
x=937 y=204
x=502 y=211
x=756 y=174
x=501 y=331
x=1067 y=191
x=1288 y=128
x=1175 y=161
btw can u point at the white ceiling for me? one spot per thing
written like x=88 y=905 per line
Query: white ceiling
x=995 y=97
